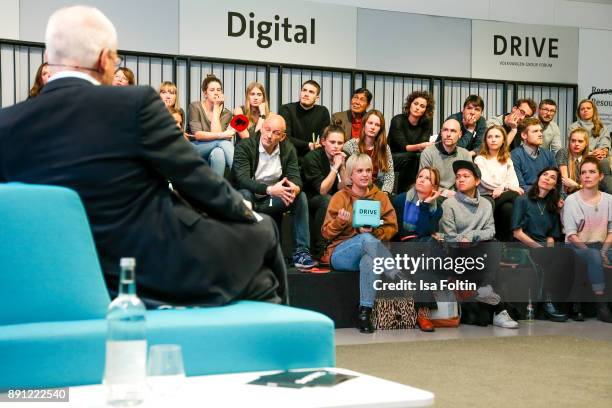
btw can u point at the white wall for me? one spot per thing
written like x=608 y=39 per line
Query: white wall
x=9 y=19
x=142 y=25
x=582 y=14
x=401 y=42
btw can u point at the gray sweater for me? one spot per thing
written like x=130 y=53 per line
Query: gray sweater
x=465 y=217
x=434 y=156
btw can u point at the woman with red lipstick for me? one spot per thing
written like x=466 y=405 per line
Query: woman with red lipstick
x=587 y=218
x=354 y=249
x=373 y=142
x=499 y=183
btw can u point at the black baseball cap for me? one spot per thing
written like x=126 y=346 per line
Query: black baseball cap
x=468 y=165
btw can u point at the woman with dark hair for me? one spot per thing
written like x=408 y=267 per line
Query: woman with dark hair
x=569 y=159
x=255 y=108
x=324 y=172
x=124 y=77
x=354 y=249
x=42 y=77
x=535 y=223
x=587 y=219
x=209 y=123
x=498 y=182
x=373 y=142
x=409 y=134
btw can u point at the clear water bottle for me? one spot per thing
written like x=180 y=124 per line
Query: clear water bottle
x=126 y=343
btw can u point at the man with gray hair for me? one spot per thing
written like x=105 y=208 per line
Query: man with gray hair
x=118 y=147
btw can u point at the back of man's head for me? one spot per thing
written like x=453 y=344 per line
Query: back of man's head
x=77 y=35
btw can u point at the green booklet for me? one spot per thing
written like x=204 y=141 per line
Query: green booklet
x=300 y=379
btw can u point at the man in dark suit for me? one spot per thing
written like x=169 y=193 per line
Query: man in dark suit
x=118 y=147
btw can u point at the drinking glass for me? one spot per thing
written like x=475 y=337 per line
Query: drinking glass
x=165 y=370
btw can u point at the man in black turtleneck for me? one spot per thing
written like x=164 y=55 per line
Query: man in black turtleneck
x=305 y=120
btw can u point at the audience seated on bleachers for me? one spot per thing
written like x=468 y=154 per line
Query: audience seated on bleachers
x=124 y=77
x=522 y=109
x=353 y=249
x=351 y=119
x=373 y=142
x=255 y=108
x=409 y=134
x=599 y=138
x=267 y=174
x=529 y=159
x=498 y=182
x=587 y=219
x=305 y=119
x=569 y=159
x=473 y=124
x=536 y=224
x=324 y=172
x=443 y=154
x=547 y=109
x=467 y=219
x=209 y=124
x=40 y=80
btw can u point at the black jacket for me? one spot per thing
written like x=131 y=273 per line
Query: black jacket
x=316 y=167
x=246 y=159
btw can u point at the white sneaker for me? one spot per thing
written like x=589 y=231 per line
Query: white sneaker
x=485 y=294
x=503 y=319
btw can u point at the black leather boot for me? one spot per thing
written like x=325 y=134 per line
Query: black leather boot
x=576 y=312
x=552 y=313
x=364 y=320
x=603 y=312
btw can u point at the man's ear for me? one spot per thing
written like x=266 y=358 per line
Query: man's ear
x=103 y=61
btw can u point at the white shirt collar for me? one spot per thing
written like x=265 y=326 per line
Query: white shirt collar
x=274 y=152
x=74 y=74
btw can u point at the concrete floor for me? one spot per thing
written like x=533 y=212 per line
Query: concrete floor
x=591 y=328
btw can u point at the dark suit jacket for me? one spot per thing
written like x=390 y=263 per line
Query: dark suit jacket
x=346 y=121
x=246 y=160
x=118 y=147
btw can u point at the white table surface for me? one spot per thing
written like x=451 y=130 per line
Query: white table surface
x=232 y=391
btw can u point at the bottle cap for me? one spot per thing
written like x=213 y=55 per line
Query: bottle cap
x=127 y=262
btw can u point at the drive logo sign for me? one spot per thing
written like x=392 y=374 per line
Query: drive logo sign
x=524 y=52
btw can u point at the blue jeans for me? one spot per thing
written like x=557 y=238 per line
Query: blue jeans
x=357 y=254
x=592 y=258
x=275 y=206
x=218 y=154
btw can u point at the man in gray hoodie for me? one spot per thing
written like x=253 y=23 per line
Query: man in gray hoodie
x=468 y=218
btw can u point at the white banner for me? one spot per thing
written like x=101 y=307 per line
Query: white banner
x=524 y=52
x=413 y=43
x=594 y=70
x=286 y=32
